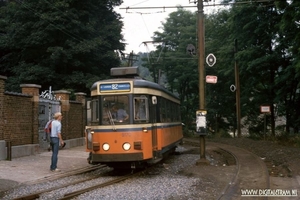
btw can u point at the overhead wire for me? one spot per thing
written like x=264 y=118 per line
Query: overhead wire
x=139 y=3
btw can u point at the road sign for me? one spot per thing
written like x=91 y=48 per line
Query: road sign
x=211 y=60
x=211 y=79
x=201 y=122
x=265 y=109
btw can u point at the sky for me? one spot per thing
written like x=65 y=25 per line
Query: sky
x=140 y=24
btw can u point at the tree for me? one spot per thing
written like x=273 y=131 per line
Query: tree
x=268 y=58
x=288 y=81
x=64 y=44
x=179 y=67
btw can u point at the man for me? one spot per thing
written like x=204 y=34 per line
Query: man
x=119 y=113
x=56 y=140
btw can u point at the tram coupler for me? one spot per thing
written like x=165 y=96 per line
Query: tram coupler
x=133 y=166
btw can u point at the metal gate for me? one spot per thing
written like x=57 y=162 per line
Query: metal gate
x=47 y=108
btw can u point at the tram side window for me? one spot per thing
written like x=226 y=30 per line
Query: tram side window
x=178 y=115
x=141 y=111
x=163 y=116
x=169 y=113
x=175 y=108
x=94 y=110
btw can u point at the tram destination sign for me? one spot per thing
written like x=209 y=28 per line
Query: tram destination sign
x=114 y=87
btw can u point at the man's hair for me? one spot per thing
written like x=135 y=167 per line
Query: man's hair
x=56 y=115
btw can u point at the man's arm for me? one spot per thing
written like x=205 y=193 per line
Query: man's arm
x=60 y=139
x=59 y=135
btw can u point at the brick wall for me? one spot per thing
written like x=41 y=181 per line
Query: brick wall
x=19 y=114
x=2 y=86
x=18 y=118
x=76 y=126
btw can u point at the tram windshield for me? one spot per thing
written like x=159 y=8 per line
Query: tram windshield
x=115 y=109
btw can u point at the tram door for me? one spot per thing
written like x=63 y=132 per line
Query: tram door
x=153 y=117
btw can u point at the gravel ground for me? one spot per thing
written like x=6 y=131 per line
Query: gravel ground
x=166 y=181
x=179 y=178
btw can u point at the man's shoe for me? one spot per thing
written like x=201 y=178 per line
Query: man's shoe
x=55 y=170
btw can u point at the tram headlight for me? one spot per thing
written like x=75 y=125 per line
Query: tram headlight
x=105 y=147
x=145 y=130
x=126 y=146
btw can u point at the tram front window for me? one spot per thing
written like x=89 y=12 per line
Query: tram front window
x=115 y=110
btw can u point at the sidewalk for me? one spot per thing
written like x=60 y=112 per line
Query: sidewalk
x=30 y=168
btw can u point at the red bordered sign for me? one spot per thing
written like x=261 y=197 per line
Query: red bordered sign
x=211 y=79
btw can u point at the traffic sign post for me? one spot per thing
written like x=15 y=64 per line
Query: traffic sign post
x=265 y=110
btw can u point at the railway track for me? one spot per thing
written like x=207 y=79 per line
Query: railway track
x=90 y=184
x=251 y=171
x=100 y=185
x=56 y=177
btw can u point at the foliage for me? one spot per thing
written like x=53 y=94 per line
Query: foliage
x=172 y=60
x=266 y=56
x=63 y=44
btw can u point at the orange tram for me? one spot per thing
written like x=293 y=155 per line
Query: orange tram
x=134 y=122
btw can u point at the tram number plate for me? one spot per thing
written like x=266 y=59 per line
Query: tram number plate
x=125 y=134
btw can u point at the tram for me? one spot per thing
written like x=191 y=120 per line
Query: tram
x=134 y=122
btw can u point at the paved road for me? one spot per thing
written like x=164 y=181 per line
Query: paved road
x=30 y=168
x=251 y=173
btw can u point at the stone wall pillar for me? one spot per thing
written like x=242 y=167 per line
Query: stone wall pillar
x=80 y=97
x=64 y=97
x=2 y=90
x=33 y=89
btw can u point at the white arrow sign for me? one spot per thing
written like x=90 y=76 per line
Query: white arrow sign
x=211 y=79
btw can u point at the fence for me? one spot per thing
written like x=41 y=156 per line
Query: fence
x=22 y=120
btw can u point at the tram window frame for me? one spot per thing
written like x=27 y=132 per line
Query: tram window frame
x=94 y=106
x=136 y=103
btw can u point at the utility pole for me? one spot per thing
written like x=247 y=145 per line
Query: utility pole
x=201 y=71
x=237 y=92
x=131 y=59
